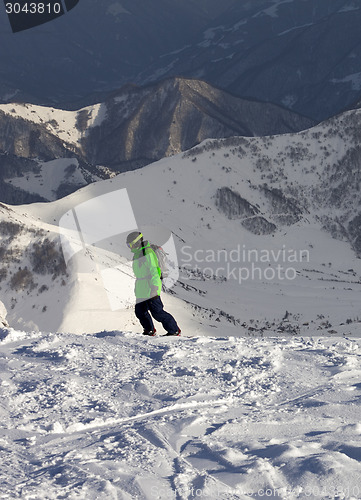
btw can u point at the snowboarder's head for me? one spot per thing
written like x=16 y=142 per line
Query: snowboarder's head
x=135 y=240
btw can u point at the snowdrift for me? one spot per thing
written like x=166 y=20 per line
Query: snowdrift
x=119 y=416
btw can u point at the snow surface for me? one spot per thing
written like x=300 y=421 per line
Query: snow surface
x=58 y=122
x=116 y=415
x=240 y=408
x=49 y=176
x=294 y=28
x=354 y=79
x=272 y=11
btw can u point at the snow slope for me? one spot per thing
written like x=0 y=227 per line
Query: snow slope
x=261 y=400
x=119 y=416
x=220 y=287
x=51 y=179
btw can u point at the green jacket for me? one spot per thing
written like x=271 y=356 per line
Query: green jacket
x=147 y=272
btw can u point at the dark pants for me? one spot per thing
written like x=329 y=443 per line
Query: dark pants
x=154 y=306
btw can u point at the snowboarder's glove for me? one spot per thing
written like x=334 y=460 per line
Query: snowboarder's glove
x=154 y=291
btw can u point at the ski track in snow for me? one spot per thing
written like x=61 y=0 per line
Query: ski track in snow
x=118 y=416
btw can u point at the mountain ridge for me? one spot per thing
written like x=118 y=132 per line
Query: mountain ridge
x=185 y=112
x=302 y=54
x=279 y=53
x=134 y=127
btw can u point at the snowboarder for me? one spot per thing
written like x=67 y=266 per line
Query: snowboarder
x=148 y=286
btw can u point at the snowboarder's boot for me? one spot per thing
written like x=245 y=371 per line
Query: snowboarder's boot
x=150 y=333
x=173 y=334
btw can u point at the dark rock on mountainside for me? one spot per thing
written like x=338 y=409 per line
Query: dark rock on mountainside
x=234 y=206
x=284 y=210
x=281 y=210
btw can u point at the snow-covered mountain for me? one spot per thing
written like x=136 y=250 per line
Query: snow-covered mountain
x=301 y=54
x=149 y=123
x=47 y=153
x=97 y=47
x=38 y=147
x=266 y=229
x=262 y=399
